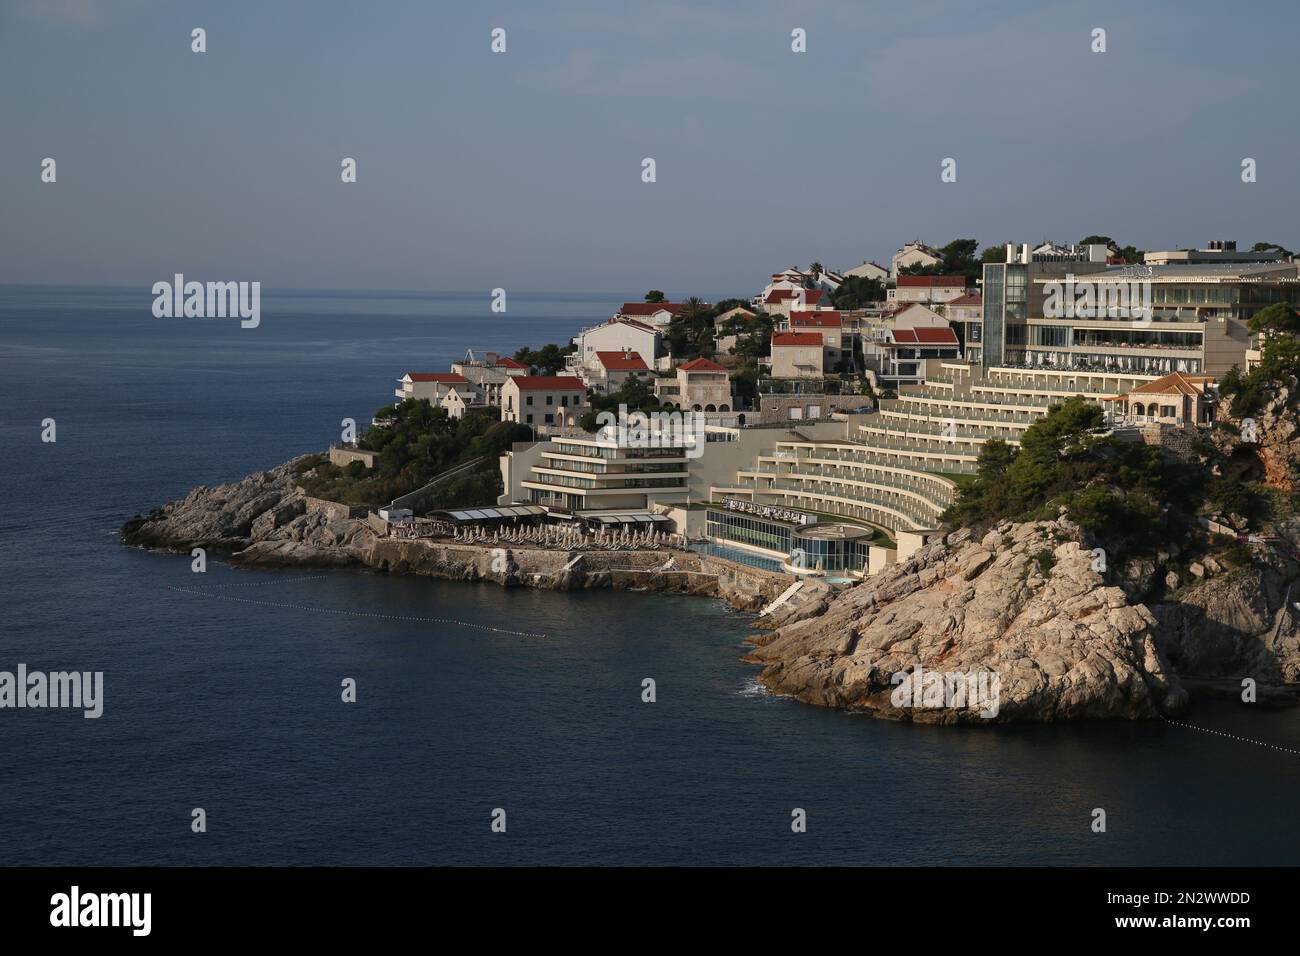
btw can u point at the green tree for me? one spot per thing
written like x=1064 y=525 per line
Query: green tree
x=548 y=360
x=690 y=332
x=654 y=295
x=857 y=292
x=636 y=394
x=956 y=258
x=1270 y=246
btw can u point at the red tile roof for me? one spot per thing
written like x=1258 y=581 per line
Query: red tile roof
x=622 y=362
x=931 y=282
x=925 y=336
x=536 y=383
x=796 y=339
x=810 y=296
x=701 y=365
x=509 y=363
x=935 y=336
x=1175 y=383
x=970 y=298
x=447 y=378
x=825 y=319
x=649 y=308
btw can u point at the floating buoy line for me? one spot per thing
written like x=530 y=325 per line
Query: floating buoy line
x=207 y=591
x=1220 y=733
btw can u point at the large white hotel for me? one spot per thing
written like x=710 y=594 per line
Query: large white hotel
x=770 y=494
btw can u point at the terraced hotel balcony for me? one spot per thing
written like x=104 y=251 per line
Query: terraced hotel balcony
x=875 y=454
x=930 y=490
x=935 y=437
x=925 y=395
x=888 y=509
x=922 y=422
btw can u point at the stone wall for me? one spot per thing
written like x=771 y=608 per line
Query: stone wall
x=335 y=509
x=346 y=456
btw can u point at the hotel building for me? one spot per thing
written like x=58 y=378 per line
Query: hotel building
x=1197 y=321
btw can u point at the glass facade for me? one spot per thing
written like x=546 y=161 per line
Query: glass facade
x=994 y=318
x=750 y=530
x=833 y=554
x=804 y=546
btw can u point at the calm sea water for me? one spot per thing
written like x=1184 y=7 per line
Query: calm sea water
x=234 y=707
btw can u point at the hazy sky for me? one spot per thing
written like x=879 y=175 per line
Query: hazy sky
x=523 y=169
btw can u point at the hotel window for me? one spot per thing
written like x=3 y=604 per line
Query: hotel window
x=550 y=419
x=564 y=401
x=550 y=399
x=528 y=400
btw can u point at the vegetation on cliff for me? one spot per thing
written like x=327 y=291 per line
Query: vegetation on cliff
x=1119 y=491
x=416 y=442
x=1278 y=325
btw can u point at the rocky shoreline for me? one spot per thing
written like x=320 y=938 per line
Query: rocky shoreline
x=265 y=520
x=1022 y=602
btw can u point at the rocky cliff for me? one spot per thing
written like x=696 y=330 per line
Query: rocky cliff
x=1022 y=604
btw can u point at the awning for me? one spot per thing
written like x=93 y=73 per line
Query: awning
x=469 y=515
x=636 y=519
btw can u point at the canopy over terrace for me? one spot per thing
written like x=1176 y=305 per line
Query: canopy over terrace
x=490 y=516
x=636 y=520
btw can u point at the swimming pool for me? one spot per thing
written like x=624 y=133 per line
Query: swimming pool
x=736 y=554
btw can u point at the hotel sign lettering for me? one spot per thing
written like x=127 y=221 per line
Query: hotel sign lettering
x=768 y=511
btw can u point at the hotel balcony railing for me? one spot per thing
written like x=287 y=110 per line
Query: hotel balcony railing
x=899 y=420
x=956 y=413
x=1144 y=346
x=852 y=483
x=918 y=446
x=920 y=517
x=929 y=488
x=936 y=434
x=868 y=456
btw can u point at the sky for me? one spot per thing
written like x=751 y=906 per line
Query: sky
x=523 y=170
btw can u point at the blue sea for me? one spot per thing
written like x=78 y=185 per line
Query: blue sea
x=234 y=706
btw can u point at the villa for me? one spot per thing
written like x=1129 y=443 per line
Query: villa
x=430 y=386
x=547 y=402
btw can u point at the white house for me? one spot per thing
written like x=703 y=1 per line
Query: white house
x=915 y=253
x=612 y=370
x=544 y=401
x=703 y=386
x=780 y=302
x=930 y=290
x=796 y=280
x=798 y=355
x=461 y=398
x=658 y=314
x=431 y=386
x=869 y=270
x=618 y=335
